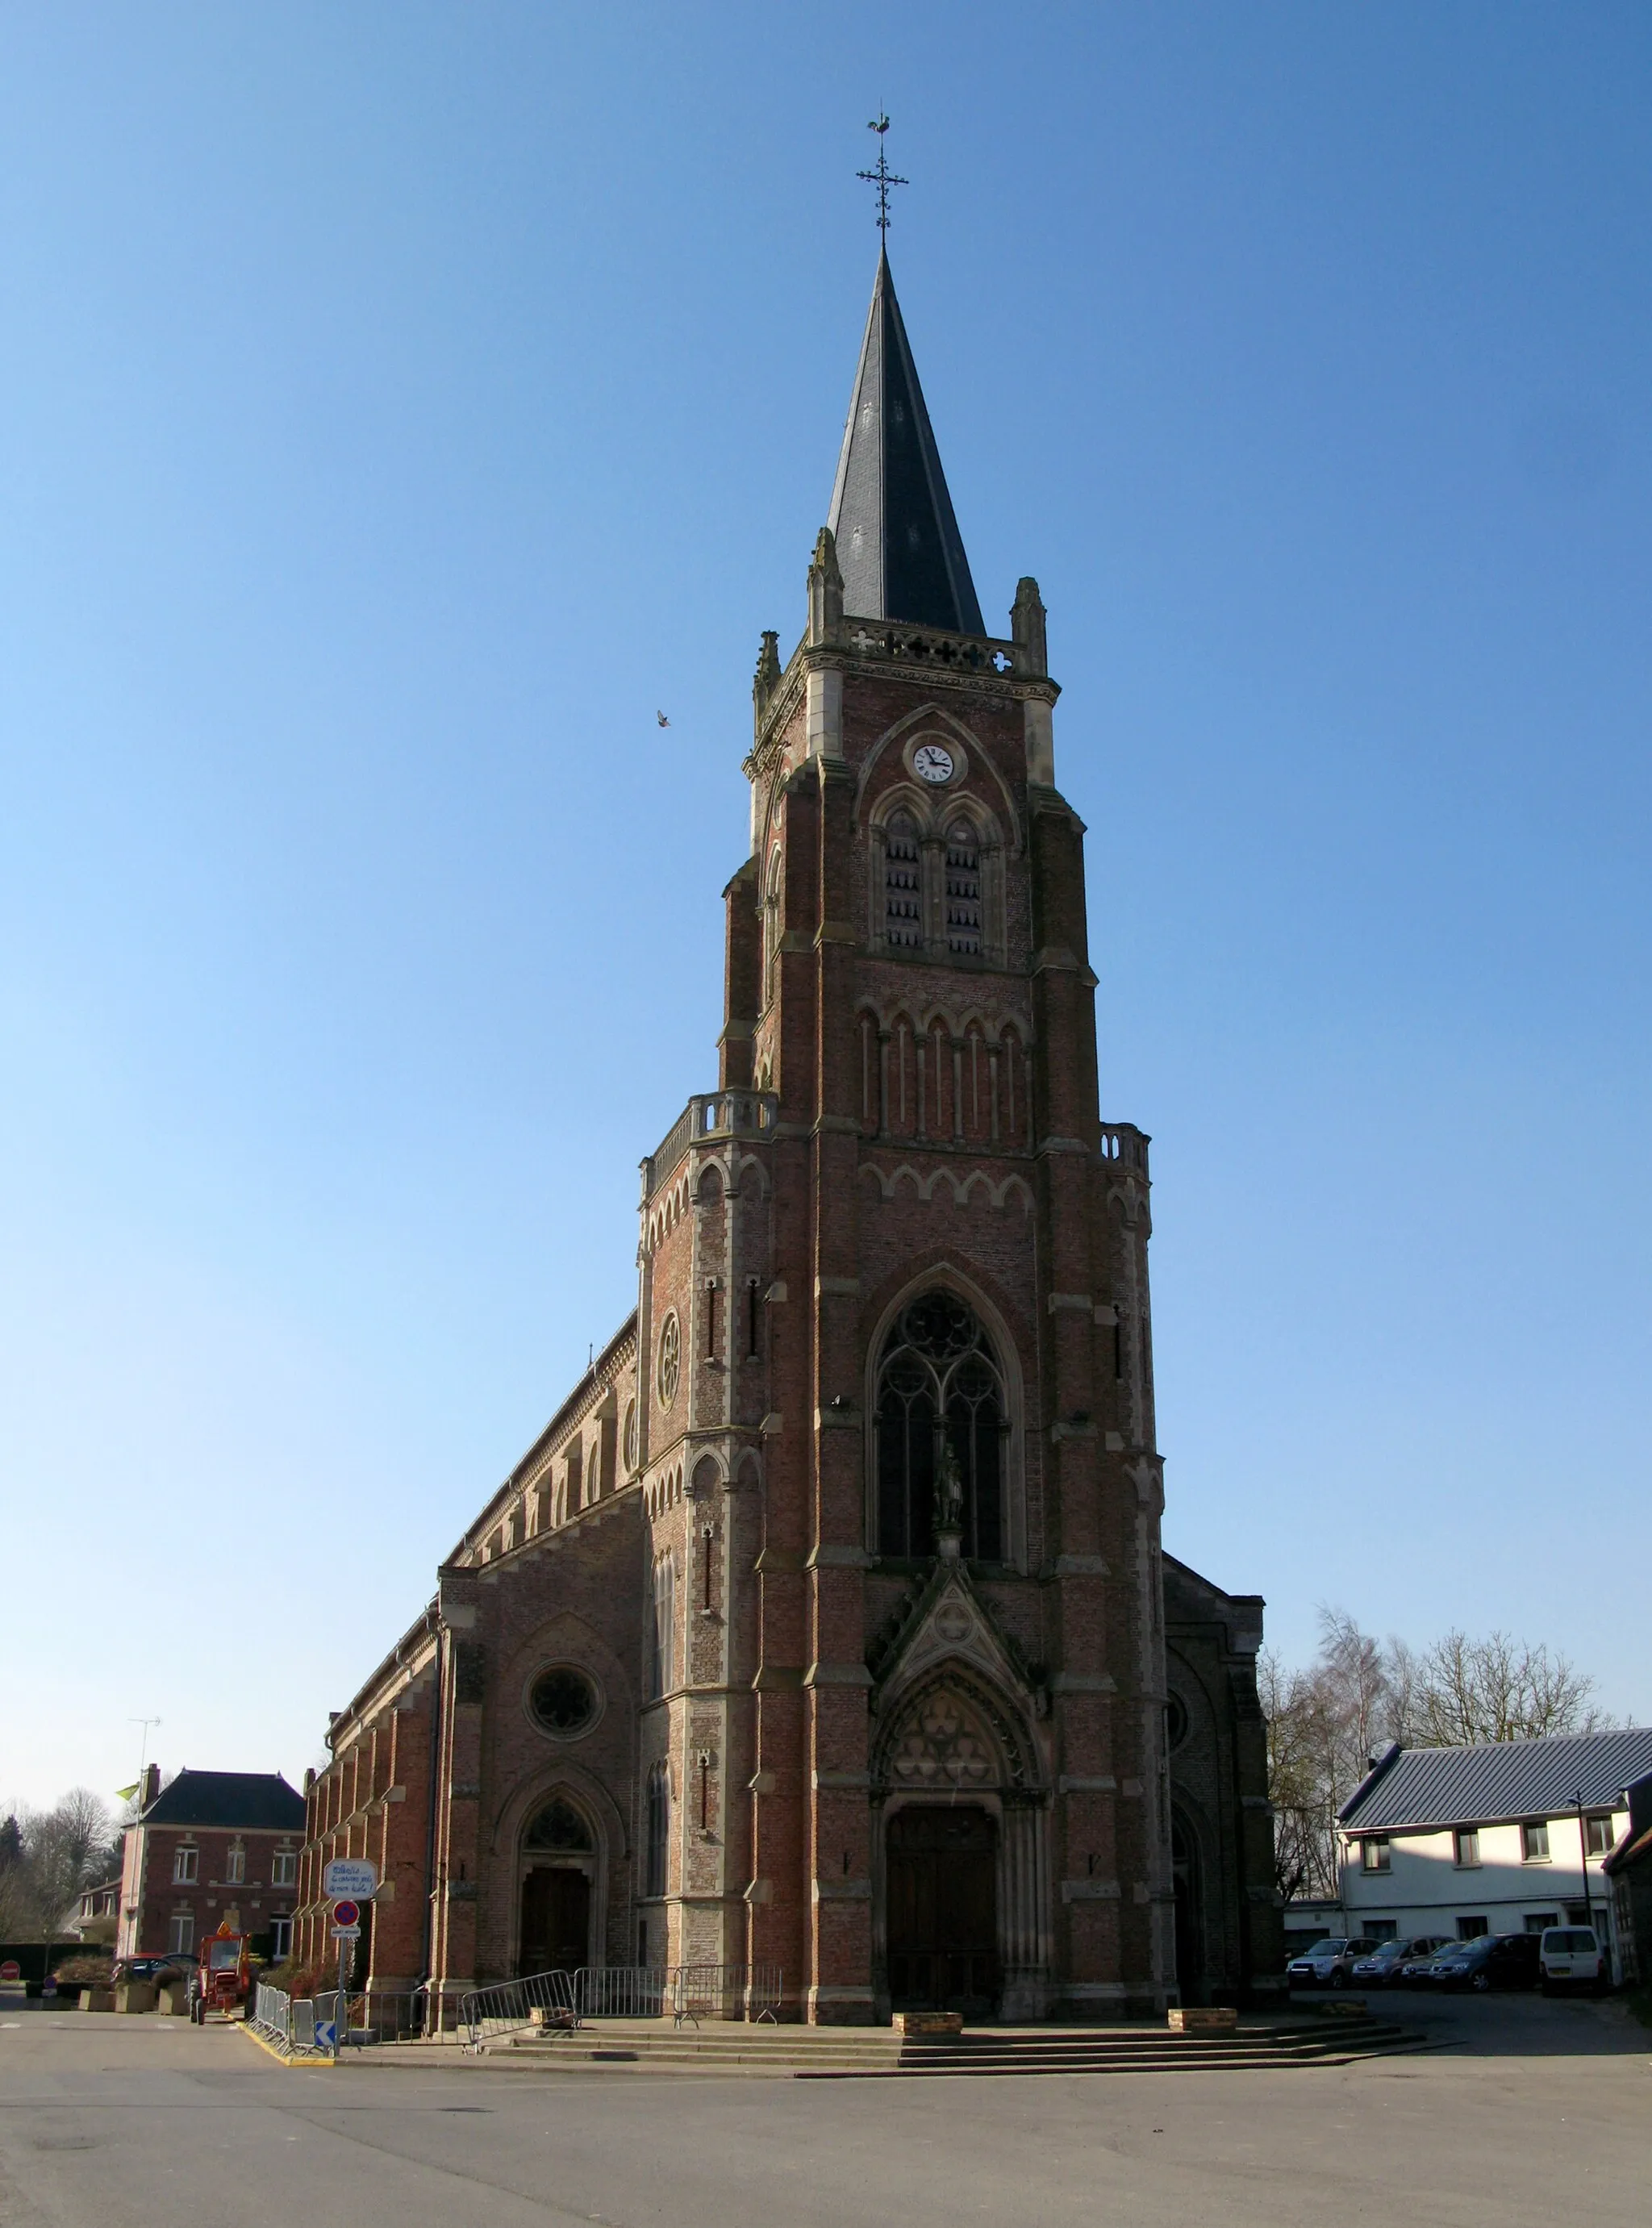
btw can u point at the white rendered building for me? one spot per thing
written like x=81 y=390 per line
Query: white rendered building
x=1504 y=1839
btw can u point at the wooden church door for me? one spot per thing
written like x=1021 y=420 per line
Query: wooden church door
x=556 y=1920
x=942 y=1909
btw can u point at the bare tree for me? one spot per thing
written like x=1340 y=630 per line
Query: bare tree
x=1301 y=1743
x=57 y=1853
x=1499 y=1690
x=1327 y=1723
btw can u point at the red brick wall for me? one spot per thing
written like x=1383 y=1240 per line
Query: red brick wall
x=147 y=1883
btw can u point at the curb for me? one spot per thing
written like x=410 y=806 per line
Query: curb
x=311 y=2064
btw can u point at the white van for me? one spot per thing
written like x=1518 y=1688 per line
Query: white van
x=1573 y=1958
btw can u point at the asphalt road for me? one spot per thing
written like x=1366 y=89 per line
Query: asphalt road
x=1534 y=2112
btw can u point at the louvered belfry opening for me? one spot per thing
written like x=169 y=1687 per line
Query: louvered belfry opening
x=902 y=885
x=963 y=889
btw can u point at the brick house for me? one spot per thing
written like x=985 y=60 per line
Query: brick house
x=210 y=1847
x=1629 y=1873
x=826 y=1627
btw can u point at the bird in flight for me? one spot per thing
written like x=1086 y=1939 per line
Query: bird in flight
x=660 y=717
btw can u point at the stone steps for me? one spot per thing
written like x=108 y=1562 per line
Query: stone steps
x=847 y=2053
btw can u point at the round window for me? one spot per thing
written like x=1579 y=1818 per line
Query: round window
x=563 y=1701
x=670 y=1359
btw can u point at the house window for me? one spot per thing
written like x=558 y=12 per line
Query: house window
x=186 y=1867
x=903 y=923
x=280 y=1940
x=662 y=1630
x=235 y=1868
x=941 y=1424
x=659 y=1829
x=1598 y=1836
x=283 y=1868
x=1466 y=1846
x=1535 y=1921
x=180 y=1935
x=1470 y=1930
x=1380 y=1929
x=1534 y=1842
x=1374 y=1854
x=963 y=889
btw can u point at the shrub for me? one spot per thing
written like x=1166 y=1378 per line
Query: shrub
x=84 y=1972
x=296 y=1980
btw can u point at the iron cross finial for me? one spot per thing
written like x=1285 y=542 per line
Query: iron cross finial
x=883 y=177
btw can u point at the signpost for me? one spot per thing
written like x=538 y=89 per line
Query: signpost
x=348 y=1882
x=356 y=1877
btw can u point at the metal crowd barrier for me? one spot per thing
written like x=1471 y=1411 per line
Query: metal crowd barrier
x=725 y=1992
x=272 y=2013
x=541 y=1999
x=622 y=1991
x=564 y=2000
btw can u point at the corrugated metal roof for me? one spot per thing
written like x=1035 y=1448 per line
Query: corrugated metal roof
x=1502 y=1780
x=250 y=1801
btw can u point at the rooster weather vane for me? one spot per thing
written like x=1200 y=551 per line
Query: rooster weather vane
x=883 y=177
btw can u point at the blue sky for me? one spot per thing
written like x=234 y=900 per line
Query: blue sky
x=399 y=403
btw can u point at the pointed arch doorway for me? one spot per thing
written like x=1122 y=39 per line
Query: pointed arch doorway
x=941 y=1905
x=558 y=1867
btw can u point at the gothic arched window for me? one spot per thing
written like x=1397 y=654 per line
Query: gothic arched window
x=658 y=1830
x=903 y=912
x=771 y=927
x=560 y=1827
x=942 y=1418
x=660 y=1638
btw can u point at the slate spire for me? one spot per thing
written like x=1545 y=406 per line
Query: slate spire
x=897 y=542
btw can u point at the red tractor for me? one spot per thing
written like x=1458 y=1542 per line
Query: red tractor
x=223 y=1977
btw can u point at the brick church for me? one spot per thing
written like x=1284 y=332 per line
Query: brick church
x=826 y=1627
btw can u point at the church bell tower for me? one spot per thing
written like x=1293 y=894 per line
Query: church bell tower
x=894 y=1356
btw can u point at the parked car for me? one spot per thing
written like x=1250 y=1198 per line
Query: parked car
x=1572 y=1957
x=1490 y=1961
x=1328 y=1964
x=1383 y=1968
x=176 y=1965
x=1415 y=1972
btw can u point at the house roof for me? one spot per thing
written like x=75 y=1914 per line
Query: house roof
x=255 y=1802
x=898 y=540
x=1498 y=1781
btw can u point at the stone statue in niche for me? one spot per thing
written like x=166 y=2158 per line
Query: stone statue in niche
x=949 y=1491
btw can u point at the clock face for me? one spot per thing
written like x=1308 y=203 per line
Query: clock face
x=931 y=762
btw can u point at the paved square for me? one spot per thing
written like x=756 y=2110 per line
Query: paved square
x=1531 y=2112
